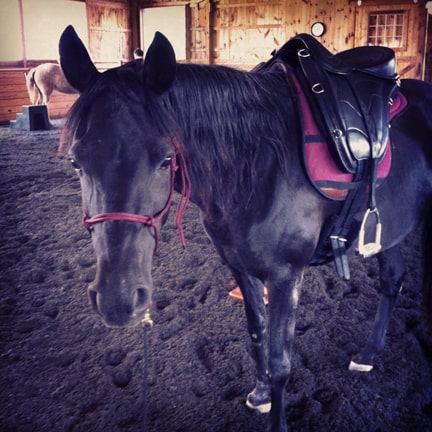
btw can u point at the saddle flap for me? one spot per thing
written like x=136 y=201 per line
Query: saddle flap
x=362 y=112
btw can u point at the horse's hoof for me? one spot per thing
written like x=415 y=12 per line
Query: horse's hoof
x=261 y=404
x=262 y=408
x=358 y=367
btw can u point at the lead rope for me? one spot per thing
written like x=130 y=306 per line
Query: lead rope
x=185 y=189
x=147 y=324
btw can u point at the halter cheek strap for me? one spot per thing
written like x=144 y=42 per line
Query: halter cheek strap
x=151 y=221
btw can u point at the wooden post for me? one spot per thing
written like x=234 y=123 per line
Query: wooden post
x=23 y=43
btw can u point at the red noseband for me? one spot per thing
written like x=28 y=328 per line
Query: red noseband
x=150 y=221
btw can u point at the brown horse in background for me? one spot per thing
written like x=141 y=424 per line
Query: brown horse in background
x=42 y=80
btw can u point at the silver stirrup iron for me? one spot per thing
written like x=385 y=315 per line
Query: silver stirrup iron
x=372 y=248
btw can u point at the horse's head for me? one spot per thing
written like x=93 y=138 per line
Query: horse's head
x=126 y=162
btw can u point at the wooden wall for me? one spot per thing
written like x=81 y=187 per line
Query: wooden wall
x=428 y=51
x=13 y=95
x=198 y=32
x=245 y=32
x=110 y=32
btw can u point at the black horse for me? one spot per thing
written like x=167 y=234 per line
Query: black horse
x=231 y=140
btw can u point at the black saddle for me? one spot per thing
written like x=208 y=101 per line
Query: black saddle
x=349 y=93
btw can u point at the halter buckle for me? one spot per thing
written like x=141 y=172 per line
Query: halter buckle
x=147 y=322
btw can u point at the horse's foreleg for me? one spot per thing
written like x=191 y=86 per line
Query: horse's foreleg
x=392 y=272
x=283 y=299
x=252 y=291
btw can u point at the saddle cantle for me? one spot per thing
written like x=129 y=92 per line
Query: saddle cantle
x=350 y=94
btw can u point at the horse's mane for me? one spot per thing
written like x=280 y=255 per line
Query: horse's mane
x=231 y=122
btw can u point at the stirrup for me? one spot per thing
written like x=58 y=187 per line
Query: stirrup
x=372 y=248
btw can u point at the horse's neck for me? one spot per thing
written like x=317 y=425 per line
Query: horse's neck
x=226 y=148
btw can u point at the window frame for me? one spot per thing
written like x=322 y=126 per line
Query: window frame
x=386 y=15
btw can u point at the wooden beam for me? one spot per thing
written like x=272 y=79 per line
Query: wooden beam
x=23 y=43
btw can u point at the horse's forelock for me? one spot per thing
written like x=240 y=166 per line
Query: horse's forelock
x=125 y=84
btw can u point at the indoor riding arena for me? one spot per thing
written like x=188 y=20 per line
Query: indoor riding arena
x=63 y=369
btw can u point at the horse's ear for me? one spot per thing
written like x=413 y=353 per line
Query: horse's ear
x=160 y=64
x=75 y=61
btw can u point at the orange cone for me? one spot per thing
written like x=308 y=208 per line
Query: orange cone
x=236 y=294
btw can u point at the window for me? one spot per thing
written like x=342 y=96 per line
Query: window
x=387 y=29
x=31 y=29
x=169 y=20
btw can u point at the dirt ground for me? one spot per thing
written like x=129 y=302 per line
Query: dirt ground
x=63 y=370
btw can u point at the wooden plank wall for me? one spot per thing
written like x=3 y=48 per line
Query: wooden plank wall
x=110 y=32
x=198 y=35
x=244 y=32
x=337 y=15
x=13 y=95
x=247 y=32
x=428 y=52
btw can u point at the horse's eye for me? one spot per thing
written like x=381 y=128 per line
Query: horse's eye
x=166 y=162
x=75 y=165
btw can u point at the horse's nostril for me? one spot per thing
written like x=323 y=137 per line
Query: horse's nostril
x=120 y=309
x=93 y=298
x=140 y=298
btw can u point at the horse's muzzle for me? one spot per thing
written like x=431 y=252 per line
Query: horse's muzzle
x=126 y=310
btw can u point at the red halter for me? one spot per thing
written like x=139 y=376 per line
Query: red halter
x=150 y=221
